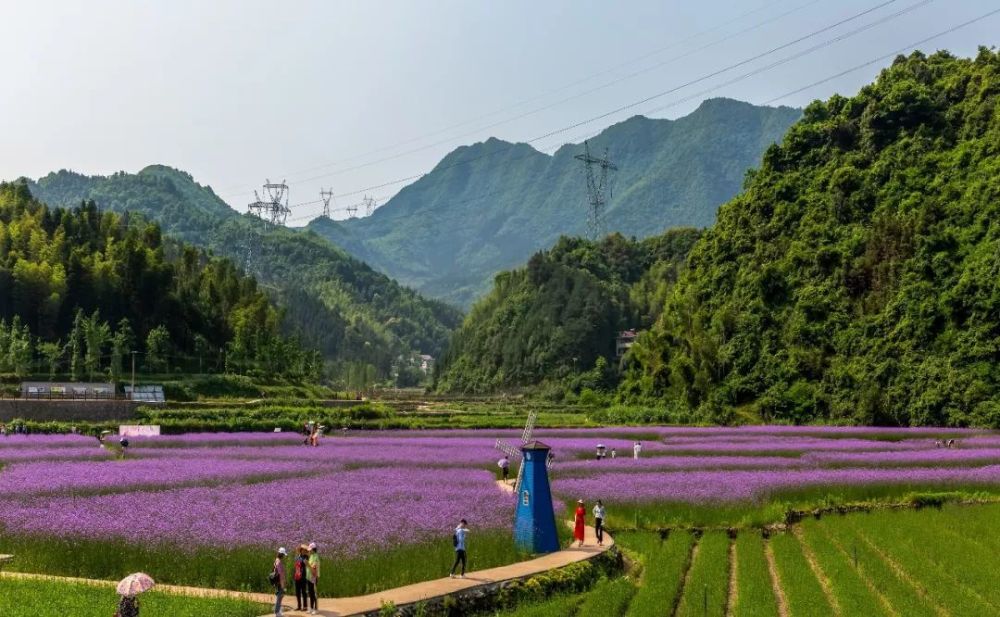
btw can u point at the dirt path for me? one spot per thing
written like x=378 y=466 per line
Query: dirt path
x=409 y=594
x=824 y=581
x=733 y=588
x=687 y=576
x=779 y=593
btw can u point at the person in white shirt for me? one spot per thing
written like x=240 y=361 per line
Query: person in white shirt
x=613 y=454
x=636 y=449
x=504 y=465
x=599 y=522
x=459 y=540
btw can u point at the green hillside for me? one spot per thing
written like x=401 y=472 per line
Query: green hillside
x=81 y=289
x=350 y=312
x=857 y=277
x=489 y=206
x=555 y=320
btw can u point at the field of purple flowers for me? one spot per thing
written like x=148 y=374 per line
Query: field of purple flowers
x=209 y=508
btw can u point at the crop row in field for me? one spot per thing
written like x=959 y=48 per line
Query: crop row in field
x=894 y=563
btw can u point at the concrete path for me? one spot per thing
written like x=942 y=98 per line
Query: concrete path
x=357 y=605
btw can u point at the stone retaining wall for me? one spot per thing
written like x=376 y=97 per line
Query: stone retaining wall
x=67 y=411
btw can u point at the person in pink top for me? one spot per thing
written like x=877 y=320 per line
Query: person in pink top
x=277 y=579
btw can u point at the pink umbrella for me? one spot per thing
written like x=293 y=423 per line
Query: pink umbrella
x=134 y=584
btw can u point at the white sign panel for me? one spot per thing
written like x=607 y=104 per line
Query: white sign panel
x=139 y=430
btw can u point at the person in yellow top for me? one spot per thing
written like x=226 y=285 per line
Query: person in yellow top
x=312 y=576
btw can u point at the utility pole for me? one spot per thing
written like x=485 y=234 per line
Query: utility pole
x=132 y=394
x=598 y=188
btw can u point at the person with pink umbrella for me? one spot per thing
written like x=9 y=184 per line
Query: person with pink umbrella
x=128 y=588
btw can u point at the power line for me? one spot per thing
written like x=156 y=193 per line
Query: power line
x=566 y=86
x=689 y=83
x=871 y=62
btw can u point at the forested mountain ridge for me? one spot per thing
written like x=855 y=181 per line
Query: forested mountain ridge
x=350 y=312
x=80 y=289
x=856 y=278
x=554 y=322
x=489 y=206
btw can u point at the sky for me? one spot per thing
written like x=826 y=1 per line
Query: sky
x=363 y=97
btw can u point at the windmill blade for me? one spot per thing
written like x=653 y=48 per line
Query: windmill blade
x=508 y=449
x=529 y=426
x=517 y=481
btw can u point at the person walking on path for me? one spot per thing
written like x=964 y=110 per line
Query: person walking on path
x=277 y=579
x=636 y=450
x=504 y=465
x=312 y=577
x=599 y=522
x=459 y=541
x=128 y=606
x=299 y=573
x=578 y=527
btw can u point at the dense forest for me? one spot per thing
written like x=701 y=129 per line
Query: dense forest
x=489 y=206
x=81 y=289
x=363 y=322
x=554 y=322
x=857 y=276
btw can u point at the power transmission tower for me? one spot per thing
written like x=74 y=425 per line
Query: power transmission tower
x=273 y=210
x=352 y=210
x=370 y=204
x=326 y=195
x=598 y=188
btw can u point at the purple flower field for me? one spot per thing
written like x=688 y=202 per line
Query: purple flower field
x=364 y=489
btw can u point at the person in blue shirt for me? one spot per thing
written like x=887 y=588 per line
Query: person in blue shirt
x=459 y=540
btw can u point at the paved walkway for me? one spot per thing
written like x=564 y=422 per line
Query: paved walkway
x=342 y=607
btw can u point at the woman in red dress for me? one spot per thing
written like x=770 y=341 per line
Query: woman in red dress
x=578 y=527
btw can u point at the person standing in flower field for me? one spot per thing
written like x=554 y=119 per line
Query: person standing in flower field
x=299 y=572
x=312 y=577
x=504 y=465
x=599 y=522
x=277 y=578
x=636 y=450
x=578 y=526
x=459 y=541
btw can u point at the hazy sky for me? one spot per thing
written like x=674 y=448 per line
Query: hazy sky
x=319 y=92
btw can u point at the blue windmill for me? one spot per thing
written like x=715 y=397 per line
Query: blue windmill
x=534 y=518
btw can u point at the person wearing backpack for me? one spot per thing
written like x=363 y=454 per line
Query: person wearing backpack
x=458 y=540
x=277 y=578
x=299 y=576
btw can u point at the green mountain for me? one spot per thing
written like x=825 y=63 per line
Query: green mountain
x=489 y=206
x=555 y=321
x=857 y=277
x=352 y=313
x=81 y=289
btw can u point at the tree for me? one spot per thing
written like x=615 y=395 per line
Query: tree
x=158 y=349
x=76 y=343
x=53 y=354
x=121 y=344
x=96 y=335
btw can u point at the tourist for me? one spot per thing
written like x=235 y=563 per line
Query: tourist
x=636 y=450
x=578 y=527
x=299 y=577
x=3 y=430
x=128 y=606
x=312 y=577
x=613 y=454
x=307 y=431
x=599 y=522
x=459 y=541
x=504 y=465
x=277 y=579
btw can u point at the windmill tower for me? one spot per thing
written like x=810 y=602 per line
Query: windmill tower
x=534 y=518
x=598 y=188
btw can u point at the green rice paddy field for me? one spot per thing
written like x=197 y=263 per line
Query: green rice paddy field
x=894 y=563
